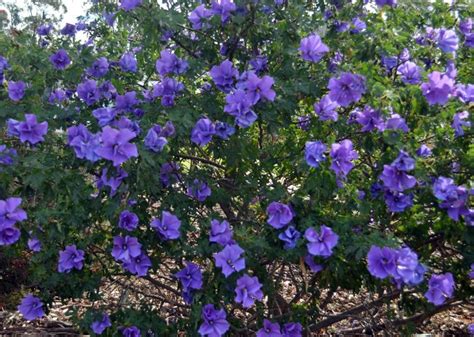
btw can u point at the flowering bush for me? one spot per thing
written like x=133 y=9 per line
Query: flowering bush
x=242 y=158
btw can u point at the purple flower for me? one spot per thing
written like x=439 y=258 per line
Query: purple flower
x=292 y=330
x=167 y=89
x=154 y=140
x=28 y=131
x=470 y=329
x=88 y=92
x=229 y=259
x=409 y=270
x=214 y=322
x=126 y=248
x=167 y=227
x=440 y=288
x=199 y=17
x=221 y=232
x=99 y=326
x=131 y=331
x=169 y=173
x=460 y=121
x=190 y=277
x=9 y=234
x=382 y=262
x=312 y=49
x=84 y=143
x=170 y=63
x=107 y=90
x=259 y=64
x=223 y=8
x=313 y=266
x=465 y=26
x=259 y=88
x=471 y=272
x=423 y=151
x=34 y=244
x=138 y=265
x=389 y=62
x=44 y=30
x=57 y=96
x=342 y=155
x=304 y=122
x=7 y=156
x=454 y=198
x=396 y=180
x=369 y=119
x=390 y=3
x=404 y=162
x=248 y=290
x=10 y=211
x=128 y=5
x=396 y=122
x=410 y=72
x=126 y=102
x=99 y=68
x=290 y=237
x=269 y=329
x=69 y=29
x=279 y=215
x=113 y=182
x=346 y=89
x=60 y=59
x=359 y=25
x=70 y=258
x=321 y=244
x=326 y=109
x=203 y=131
x=239 y=104
x=31 y=307
x=224 y=130
x=104 y=116
x=438 y=88
x=447 y=40
x=116 y=146
x=16 y=90
x=128 y=221
x=465 y=93
x=314 y=153
x=223 y=75
x=398 y=201
x=199 y=190
x=128 y=62
x=469 y=42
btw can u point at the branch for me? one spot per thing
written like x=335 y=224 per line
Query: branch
x=203 y=160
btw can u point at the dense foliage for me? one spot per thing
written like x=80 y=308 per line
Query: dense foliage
x=242 y=157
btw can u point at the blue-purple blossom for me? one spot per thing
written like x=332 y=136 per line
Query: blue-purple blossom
x=447 y=40
x=167 y=89
x=169 y=63
x=128 y=62
x=321 y=244
x=155 y=140
x=423 y=151
x=369 y=119
x=88 y=92
x=34 y=244
x=396 y=122
x=460 y=121
x=259 y=64
x=312 y=48
x=342 y=155
x=346 y=89
x=465 y=93
x=113 y=182
x=131 y=331
x=104 y=116
x=9 y=234
x=99 y=326
x=453 y=198
x=60 y=59
x=29 y=130
x=358 y=25
x=239 y=104
x=44 y=29
x=203 y=131
x=70 y=258
x=440 y=288
x=326 y=109
x=69 y=29
x=259 y=88
x=116 y=146
x=31 y=307
x=290 y=237
x=314 y=153
x=409 y=270
x=107 y=90
x=128 y=5
x=394 y=176
x=199 y=17
x=248 y=290
x=190 y=277
x=128 y=221
x=224 y=130
x=223 y=75
x=214 y=322
x=465 y=26
x=438 y=89
x=84 y=143
x=138 y=265
x=279 y=215
x=398 y=201
x=126 y=248
x=126 y=102
x=16 y=90
x=57 y=96
x=99 y=68
x=167 y=227
x=230 y=259
x=292 y=330
x=7 y=155
x=390 y=3
x=382 y=262
x=169 y=173
x=269 y=329
x=223 y=8
x=221 y=232
x=199 y=190
x=410 y=73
